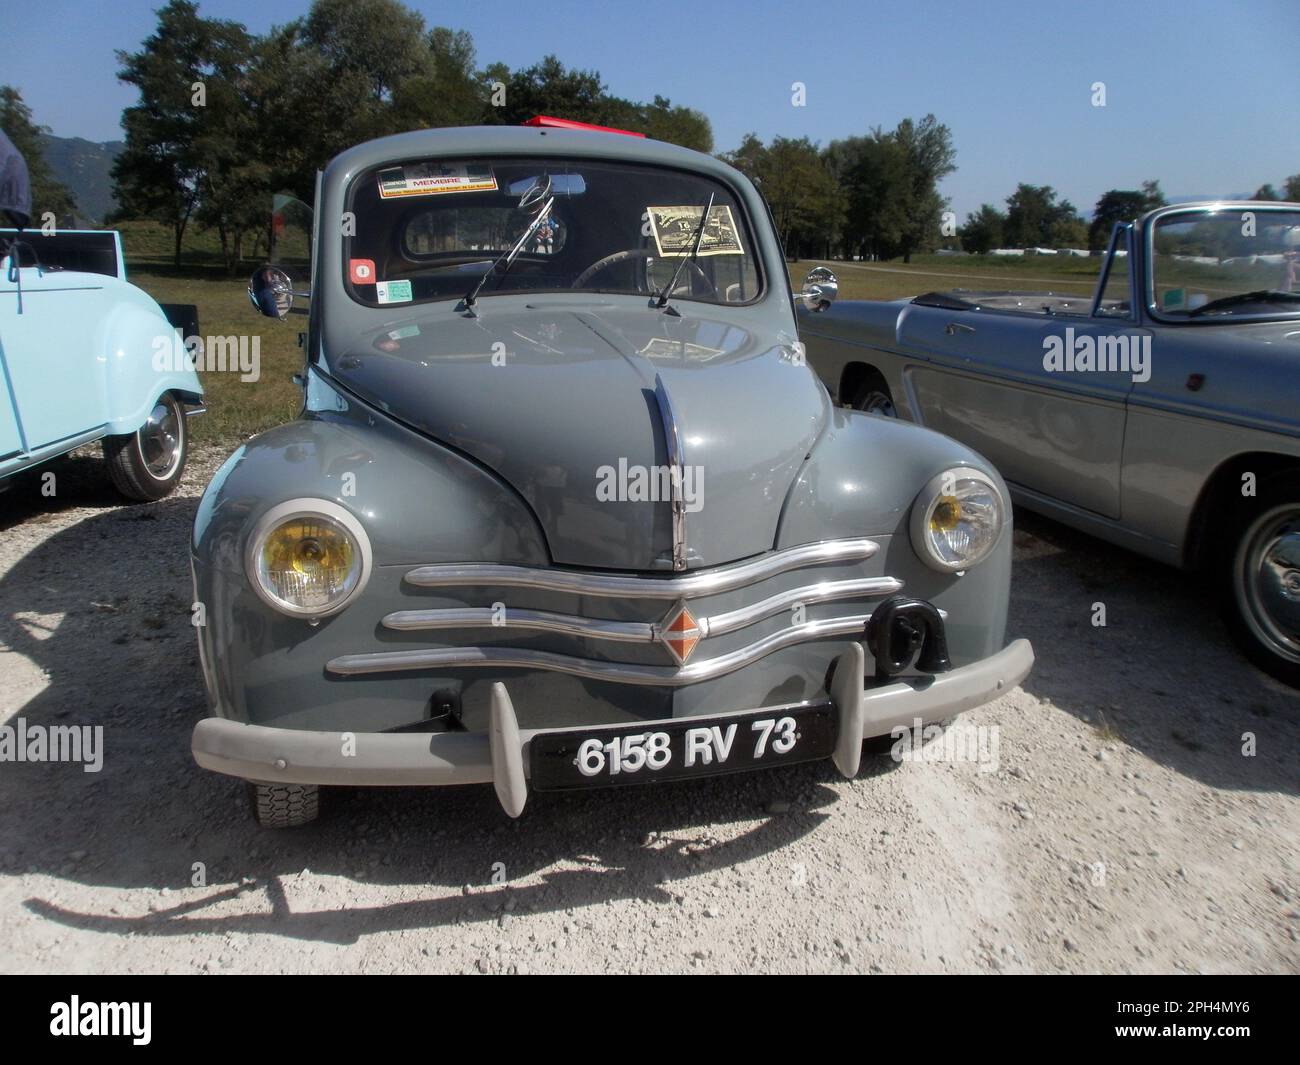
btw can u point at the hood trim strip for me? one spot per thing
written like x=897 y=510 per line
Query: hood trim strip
x=691 y=586
x=677 y=470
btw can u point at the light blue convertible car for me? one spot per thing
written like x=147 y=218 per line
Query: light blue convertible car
x=86 y=356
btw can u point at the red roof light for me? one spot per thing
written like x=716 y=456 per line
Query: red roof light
x=566 y=123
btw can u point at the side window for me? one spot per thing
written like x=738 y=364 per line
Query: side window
x=1114 y=293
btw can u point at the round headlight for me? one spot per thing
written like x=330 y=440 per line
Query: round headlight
x=308 y=557
x=957 y=519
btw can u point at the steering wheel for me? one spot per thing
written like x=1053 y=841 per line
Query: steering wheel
x=634 y=253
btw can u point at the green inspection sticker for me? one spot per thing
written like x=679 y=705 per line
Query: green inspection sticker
x=394 y=291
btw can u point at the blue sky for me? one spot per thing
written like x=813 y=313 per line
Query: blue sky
x=1205 y=97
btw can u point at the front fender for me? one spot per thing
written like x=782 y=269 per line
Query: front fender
x=418 y=503
x=141 y=362
x=862 y=478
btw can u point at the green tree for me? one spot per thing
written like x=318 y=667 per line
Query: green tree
x=928 y=156
x=1121 y=205
x=447 y=92
x=1291 y=189
x=381 y=41
x=983 y=230
x=1266 y=192
x=799 y=186
x=549 y=88
x=184 y=73
x=1036 y=220
x=49 y=195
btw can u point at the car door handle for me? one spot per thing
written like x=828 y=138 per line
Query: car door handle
x=953 y=328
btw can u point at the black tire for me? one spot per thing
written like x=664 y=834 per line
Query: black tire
x=1259 y=577
x=873 y=397
x=284 y=805
x=147 y=464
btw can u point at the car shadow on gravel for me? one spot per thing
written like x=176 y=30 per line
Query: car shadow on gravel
x=80 y=479
x=102 y=609
x=1161 y=675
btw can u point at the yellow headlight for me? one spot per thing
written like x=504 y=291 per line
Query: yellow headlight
x=957 y=519
x=946 y=514
x=308 y=563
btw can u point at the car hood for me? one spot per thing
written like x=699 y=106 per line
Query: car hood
x=562 y=404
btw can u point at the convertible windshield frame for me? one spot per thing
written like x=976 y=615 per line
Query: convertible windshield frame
x=753 y=250
x=1283 y=312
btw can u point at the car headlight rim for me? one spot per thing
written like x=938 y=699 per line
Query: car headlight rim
x=933 y=496
x=327 y=513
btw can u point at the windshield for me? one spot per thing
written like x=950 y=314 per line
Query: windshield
x=1234 y=262
x=429 y=230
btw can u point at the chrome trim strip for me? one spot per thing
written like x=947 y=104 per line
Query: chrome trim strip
x=538 y=620
x=745 y=616
x=704 y=582
x=634 y=631
x=615 y=672
x=677 y=470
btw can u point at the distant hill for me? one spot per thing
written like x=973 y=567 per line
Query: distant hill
x=84 y=166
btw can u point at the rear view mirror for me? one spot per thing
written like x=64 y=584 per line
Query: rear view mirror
x=271 y=292
x=820 y=288
x=560 y=185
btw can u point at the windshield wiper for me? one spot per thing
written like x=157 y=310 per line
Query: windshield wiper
x=1263 y=295
x=504 y=261
x=695 y=250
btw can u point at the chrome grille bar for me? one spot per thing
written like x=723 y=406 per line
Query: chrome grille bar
x=635 y=631
x=690 y=586
x=617 y=672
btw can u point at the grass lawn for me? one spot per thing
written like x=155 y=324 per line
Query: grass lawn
x=927 y=273
x=238 y=409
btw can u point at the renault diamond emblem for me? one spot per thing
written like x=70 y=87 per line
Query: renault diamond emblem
x=680 y=632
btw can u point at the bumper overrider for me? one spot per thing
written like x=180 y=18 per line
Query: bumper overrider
x=904 y=635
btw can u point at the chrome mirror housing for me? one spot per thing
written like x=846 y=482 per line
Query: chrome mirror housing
x=270 y=291
x=820 y=288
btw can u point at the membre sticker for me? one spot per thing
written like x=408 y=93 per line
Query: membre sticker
x=673 y=229
x=393 y=291
x=435 y=179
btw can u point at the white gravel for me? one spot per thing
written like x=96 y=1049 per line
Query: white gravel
x=1123 y=830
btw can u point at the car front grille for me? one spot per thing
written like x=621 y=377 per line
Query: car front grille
x=720 y=605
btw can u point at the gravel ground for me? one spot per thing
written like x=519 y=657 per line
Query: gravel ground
x=1123 y=829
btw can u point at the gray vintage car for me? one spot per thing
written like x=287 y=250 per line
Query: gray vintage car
x=566 y=506
x=1161 y=412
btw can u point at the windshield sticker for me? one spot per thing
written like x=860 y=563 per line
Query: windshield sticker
x=434 y=179
x=674 y=231
x=362 y=271
x=393 y=291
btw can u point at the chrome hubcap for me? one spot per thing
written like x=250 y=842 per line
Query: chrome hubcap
x=879 y=403
x=1268 y=579
x=160 y=440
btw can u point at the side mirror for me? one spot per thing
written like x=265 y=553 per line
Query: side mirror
x=820 y=288
x=271 y=292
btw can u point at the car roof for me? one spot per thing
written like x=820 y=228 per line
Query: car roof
x=522 y=140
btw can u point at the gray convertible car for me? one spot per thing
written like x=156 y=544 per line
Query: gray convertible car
x=566 y=507
x=1161 y=412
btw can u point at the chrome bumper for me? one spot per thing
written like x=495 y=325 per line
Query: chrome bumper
x=500 y=756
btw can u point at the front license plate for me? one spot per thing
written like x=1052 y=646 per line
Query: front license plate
x=689 y=747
